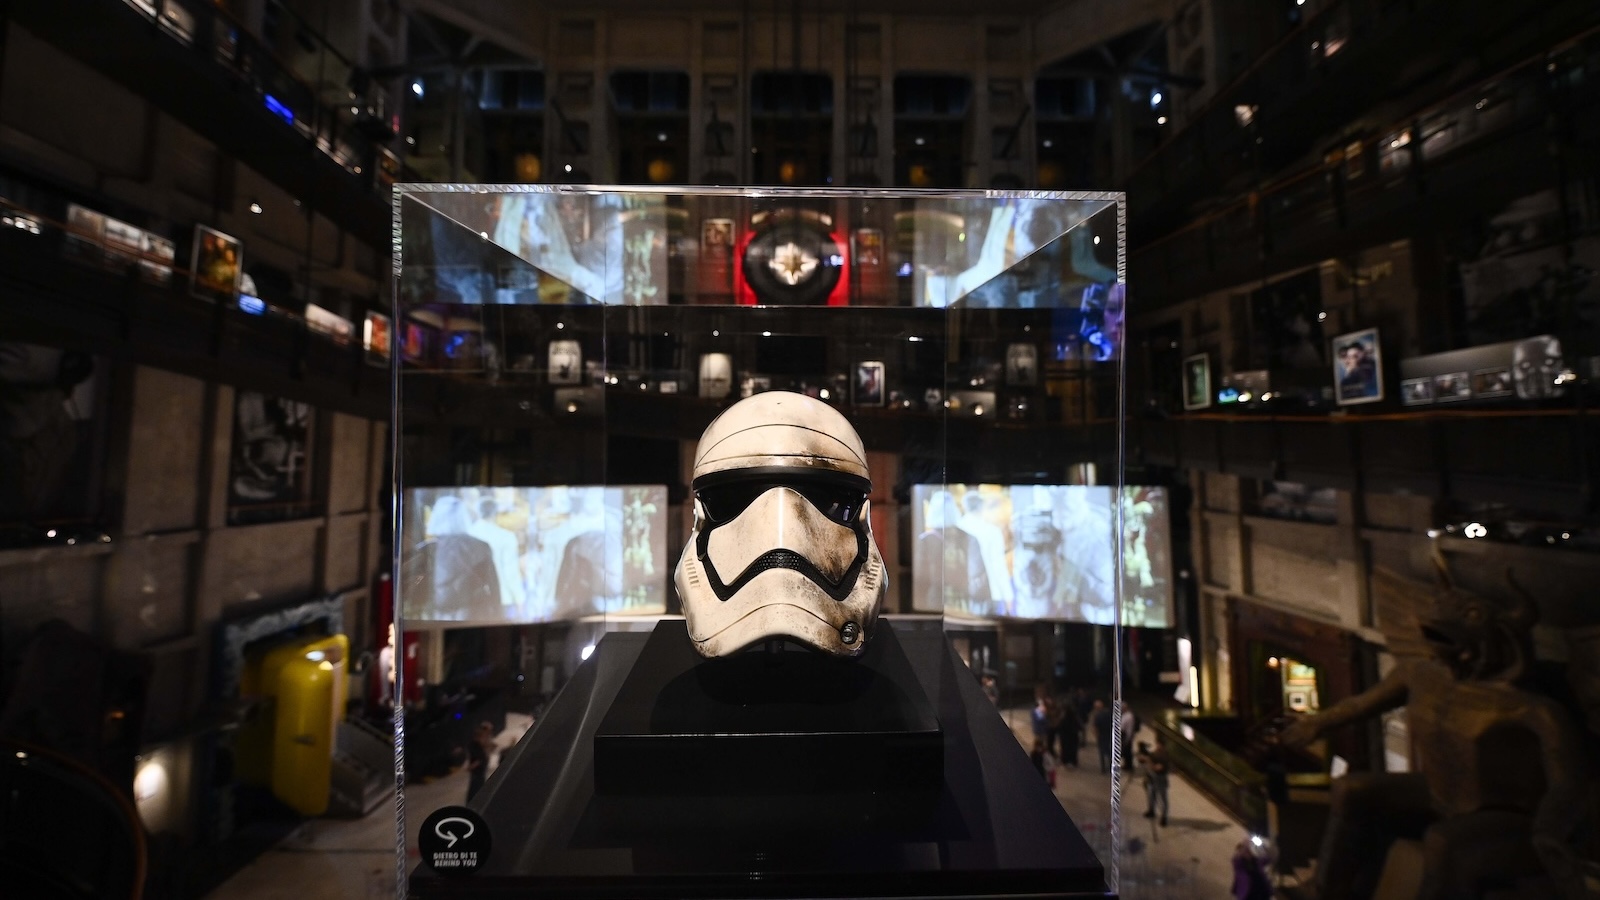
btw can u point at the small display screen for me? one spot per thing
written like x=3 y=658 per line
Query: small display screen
x=487 y=555
x=1041 y=552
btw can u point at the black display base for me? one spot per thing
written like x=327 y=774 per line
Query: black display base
x=768 y=723
x=994 y=831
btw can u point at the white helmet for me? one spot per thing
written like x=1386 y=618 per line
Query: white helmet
x=782 y=542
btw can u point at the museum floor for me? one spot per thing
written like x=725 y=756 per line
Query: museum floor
x=339 y=859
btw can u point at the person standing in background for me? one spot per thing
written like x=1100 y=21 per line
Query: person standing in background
x=1127 y=727
x=1104 y=733
x=1068 y=731
x=478 y=757
x=1157 y=764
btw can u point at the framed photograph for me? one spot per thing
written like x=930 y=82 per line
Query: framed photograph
x=1022 y=365
x=329 y=324
x=566 y=362
x=270 y=471
x=217 y=262
x=867 y=389
x=417 y=343
x=159 y=254
x=1495 y=382
x=1197 y=381
x=86 y=234
x=716 y=240
x=1358 y=368
x=1416 y=391
x=1451 y=387
x=716 y=375
x=375 y=338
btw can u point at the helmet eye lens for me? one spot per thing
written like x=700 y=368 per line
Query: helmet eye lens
x=724 y=503
x=837 y=503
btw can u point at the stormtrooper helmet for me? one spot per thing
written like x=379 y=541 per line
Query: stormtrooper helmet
x=782 y=541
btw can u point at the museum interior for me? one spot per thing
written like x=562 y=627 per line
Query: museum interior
x=1205 y=387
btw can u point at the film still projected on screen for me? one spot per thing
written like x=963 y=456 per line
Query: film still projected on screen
x=1041 y=552
x=486 y=555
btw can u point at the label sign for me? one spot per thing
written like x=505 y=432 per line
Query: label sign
x=454 y=841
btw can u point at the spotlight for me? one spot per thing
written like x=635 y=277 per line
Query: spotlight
x=587 y=652
x=1155 y=99
x=1097 y=240
x=416 y=88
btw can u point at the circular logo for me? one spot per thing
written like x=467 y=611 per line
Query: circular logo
x=454 y=841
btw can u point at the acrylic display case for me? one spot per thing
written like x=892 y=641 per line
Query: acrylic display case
x=558 y=351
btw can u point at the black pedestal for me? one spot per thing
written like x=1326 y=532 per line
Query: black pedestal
x=769 y=724
x=995 y=830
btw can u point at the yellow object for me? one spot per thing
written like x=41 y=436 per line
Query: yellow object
x=293 y=752
x=661 y=170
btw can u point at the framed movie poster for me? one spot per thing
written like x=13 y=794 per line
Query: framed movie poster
x=329 y=324
x=716 y=375
x=217 y=262
x=417 y=343
x=1494 y=382
x=1451 y=387
x=269 y=474
x=1197 y=381
x=566 y=362
x=867 y=389
x=1416 y=391
x=1022 y=365
x=86 y=234
x=159 y=254
x=1358 y=368
x=716 y=256
x=375 y=338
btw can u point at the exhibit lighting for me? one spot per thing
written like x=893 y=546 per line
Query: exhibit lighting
x=1155 y=99
x=766 y=334
x=569 y=167
x=1097 y=240
x=914 y=339
x=1048 y=143
x=560 y=325
x=1255 y=840
x=416 y=87
x=278 y=109
x=716 y=333
x=50 y=533
x=255 y=207
x=1475 y=530
x=1245 y=397
x=1194 y=686
x=1161 y=120
x=824 y=394
x=587 y=652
